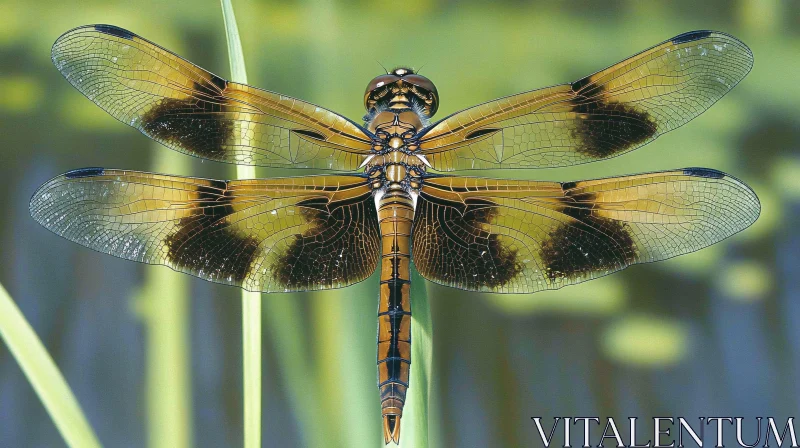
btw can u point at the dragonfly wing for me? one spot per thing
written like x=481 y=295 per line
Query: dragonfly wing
x=193 y=111
x=285 y=234
x=512 y=236
x=603 y=115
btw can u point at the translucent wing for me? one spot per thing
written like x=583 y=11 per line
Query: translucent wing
x=196 y=112
x=602 y=115
x=521 y=236
x=289 y=234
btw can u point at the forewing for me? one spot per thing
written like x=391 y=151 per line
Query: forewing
x=196 y=112
x=286 y=234
x=600 y=116
x=511 y=236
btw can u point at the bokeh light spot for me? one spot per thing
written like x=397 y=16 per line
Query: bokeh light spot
x=745 y=281
x=21 y=94
x=645 y=341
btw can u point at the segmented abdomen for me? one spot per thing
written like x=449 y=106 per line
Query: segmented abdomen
x=395 y=213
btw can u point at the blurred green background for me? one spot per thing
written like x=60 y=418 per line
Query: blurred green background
x=708 y=334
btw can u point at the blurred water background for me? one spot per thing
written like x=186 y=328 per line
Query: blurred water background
x=714 y=333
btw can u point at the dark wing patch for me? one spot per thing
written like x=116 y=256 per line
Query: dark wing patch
x=455 y=238
x=588 y=244
x=197 y=123
x=512 y=236
x=285 y=234
x=312 y=134
x=480 y=133
x=604 y=128
x=205 y=241
x=330 y=250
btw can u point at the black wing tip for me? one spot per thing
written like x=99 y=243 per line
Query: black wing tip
x=84 y=172
x=709 y=173
x=114 y=31
x=102 y=28
x=704 y=172
x=691 y=36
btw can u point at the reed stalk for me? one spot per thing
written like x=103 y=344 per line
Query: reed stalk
x=361 y=424
x=251 y=302
x=163 y=305
x=414 y=432
x=44 y=376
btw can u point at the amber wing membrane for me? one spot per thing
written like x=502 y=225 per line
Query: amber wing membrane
x=286 y=234
x=512 y=236
x=600 y=116
x=196 y=112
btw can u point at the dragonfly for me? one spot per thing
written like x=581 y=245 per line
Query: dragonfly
x=388 y=200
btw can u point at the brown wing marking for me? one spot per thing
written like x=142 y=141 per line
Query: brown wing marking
x=588 y=243
x=604 y=128
x=196 y=122
x=286 y=234
x=205 y=241
x=452 y=237
x=522 y=236
x=337 y=236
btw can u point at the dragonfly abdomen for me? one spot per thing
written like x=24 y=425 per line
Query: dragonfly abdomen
x=395 y=213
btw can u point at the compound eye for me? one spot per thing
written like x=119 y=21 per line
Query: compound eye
x=381 y=81
x=420 y=81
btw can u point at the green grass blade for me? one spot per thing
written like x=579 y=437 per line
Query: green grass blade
x=414 y=429
x=235 y=55
x=44 y=376
x=251 y=302
x=251 y=365
x=361 y=424
x=163 y=306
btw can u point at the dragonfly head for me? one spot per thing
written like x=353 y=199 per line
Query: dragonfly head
x=401 y=89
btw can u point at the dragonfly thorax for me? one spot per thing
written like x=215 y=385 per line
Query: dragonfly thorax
x=395 y=162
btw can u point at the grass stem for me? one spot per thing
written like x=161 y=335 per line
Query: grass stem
x=251 y=302
x=163 y=306
x=44 y=376
x=251 y=351
x=414 y=432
